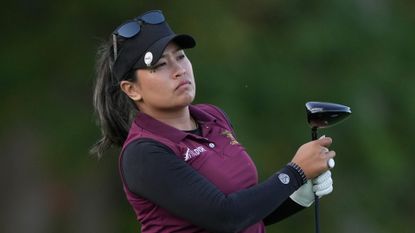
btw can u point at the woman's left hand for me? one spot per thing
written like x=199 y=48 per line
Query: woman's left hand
x=321 y=186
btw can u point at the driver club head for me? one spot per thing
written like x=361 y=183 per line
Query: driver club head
x=324 y=114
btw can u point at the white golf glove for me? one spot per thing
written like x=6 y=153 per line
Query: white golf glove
x=321 y=186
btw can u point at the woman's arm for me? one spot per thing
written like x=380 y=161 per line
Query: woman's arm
x=153 y=171
x=285 y=210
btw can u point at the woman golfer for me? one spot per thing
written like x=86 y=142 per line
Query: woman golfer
x=181 y=165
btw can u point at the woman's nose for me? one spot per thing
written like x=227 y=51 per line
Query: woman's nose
x=179 y=70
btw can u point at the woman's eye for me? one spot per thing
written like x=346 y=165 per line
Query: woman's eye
x=158 y=65
x=181 y=56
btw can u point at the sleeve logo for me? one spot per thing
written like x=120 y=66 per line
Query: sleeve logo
x=284 y=178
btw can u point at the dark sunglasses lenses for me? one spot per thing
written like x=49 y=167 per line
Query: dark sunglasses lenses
x=153 y=17
x=129 y=29
x=132 y=28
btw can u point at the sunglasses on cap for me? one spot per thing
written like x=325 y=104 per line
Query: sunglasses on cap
x=132 y=27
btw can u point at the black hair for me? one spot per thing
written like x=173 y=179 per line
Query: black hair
x=114 y=109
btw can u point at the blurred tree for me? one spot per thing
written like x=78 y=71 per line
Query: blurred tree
x=260 y=61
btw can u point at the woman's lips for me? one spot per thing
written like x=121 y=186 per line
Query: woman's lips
x=183 y=83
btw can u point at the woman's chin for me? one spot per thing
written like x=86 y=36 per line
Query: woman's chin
x=187 y=100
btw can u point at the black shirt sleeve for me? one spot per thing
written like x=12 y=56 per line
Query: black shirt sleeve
x=151 y=170
x=286 y=209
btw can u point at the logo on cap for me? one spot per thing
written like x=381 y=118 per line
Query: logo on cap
x=148 y=58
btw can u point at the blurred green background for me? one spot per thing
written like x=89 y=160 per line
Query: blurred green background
x=258 y=60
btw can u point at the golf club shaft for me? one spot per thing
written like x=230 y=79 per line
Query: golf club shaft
x=317 y=213
x=316 y=199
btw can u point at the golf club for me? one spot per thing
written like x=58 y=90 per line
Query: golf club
x=323 y=115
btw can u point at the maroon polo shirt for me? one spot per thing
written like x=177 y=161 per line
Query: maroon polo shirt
x=216 y=155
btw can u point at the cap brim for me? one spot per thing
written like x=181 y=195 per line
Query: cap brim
x=183 y=41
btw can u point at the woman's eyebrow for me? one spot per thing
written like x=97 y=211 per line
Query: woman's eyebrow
x=174 y=51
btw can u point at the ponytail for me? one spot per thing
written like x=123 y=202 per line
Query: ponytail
x=114 y=109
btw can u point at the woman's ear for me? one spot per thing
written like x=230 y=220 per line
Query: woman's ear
x=131 y=89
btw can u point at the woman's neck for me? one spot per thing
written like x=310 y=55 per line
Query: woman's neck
x=180 y=119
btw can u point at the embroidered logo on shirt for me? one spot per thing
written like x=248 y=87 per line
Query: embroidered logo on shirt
x=284 y=178
x=192 y=153
x=229 y=135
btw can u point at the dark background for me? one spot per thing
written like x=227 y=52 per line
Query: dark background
x=258 y=60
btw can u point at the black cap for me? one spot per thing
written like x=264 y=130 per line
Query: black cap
x=145 y=49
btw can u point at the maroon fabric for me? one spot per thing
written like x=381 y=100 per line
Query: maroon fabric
x=216 y=155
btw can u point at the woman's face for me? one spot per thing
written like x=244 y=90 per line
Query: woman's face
x=169 y=85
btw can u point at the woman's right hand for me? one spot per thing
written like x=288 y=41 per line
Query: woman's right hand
x=313 y=157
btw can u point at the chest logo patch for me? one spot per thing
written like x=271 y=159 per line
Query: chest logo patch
x=192 y=153
x=229 y=135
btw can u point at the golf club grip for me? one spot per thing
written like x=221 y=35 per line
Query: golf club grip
x=317 y=213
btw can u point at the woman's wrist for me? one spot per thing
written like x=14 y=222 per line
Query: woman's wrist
x=299 y=170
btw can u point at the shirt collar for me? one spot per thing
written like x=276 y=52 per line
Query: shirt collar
x=159 y=128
